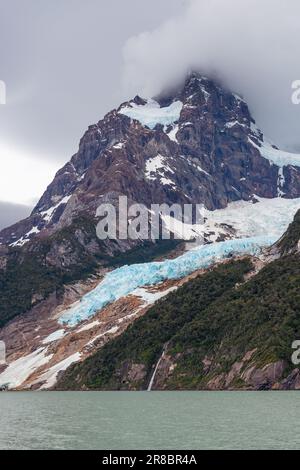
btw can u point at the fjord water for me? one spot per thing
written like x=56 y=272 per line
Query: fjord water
x=155 y=420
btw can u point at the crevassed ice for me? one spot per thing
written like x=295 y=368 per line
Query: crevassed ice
x=125 y=280
x=251 y=222
x=151 y=113
x=271 y=216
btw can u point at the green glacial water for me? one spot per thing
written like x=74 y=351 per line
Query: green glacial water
x=155 y=420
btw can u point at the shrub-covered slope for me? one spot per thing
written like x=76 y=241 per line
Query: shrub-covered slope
x=218 y=331
x=206 y=329
x=43 y=267
x=142 y=343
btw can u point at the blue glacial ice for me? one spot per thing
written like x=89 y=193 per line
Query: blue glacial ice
x=125 y=280
x=151 y=113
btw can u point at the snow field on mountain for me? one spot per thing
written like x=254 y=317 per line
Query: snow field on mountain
x=54 y=336
x=156 y=168
x=151 y=113
x=267 y=216
x=248 y=219
x=19 y=370
x=50 y=376
x=279 y=157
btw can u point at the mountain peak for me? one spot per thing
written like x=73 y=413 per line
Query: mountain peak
x=211 y=153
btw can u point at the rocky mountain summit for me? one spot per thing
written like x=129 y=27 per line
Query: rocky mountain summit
x=198 y=145
x=68 y=297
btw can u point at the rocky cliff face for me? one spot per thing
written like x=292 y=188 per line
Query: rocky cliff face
x=198 y=145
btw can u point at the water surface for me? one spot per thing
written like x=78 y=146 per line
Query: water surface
x=143 y=420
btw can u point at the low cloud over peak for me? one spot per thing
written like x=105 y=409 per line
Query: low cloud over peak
x=252 y=45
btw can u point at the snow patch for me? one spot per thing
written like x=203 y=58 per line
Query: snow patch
x=47 y=215
x=54 y=336
x=151 y=114
x=150 y=298
x=202 y=171
x=167 y=182
x=153 y=165
x=205 y=93
x=276 y=156
x=280 y=182
x=231 y=124
x=89 y=326
x=119 y=145
x=50 y=376
x=18 y=371
x=111 y=331
x=26 y=237
x=156 y=168
x=172 y=134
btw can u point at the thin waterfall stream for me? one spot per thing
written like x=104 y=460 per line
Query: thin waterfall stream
x=155 y=371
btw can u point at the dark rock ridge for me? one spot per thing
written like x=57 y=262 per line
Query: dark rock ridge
x=197 y=145
x=209 y=155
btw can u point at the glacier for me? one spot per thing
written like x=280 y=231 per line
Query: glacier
x=124 y=280
x=277 y=156
x=248 y=219
x=151 y=113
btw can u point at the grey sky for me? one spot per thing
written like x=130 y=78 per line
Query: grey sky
x=252 y=45
x=10 y=213
x=62 y=64
x=67 y=62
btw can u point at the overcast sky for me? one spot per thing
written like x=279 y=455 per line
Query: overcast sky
x=62 y=64
x=68 y=62
x=251 y=45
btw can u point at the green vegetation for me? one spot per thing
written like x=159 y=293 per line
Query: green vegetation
x=210 y=317
x=143 y=342
x=291 y=238
x=143 y=254
x=45 y=265
x=21 y=280
x=205 y=327
x=261 y=314
x=30 y=273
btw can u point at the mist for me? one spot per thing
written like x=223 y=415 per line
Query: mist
x=251 y=45
x=10 y=213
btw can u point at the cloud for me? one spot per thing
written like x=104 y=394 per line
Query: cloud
x=252 y=45
x=12 y=213
x=23 y=176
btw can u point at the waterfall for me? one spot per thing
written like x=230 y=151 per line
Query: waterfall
x=154 y=373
